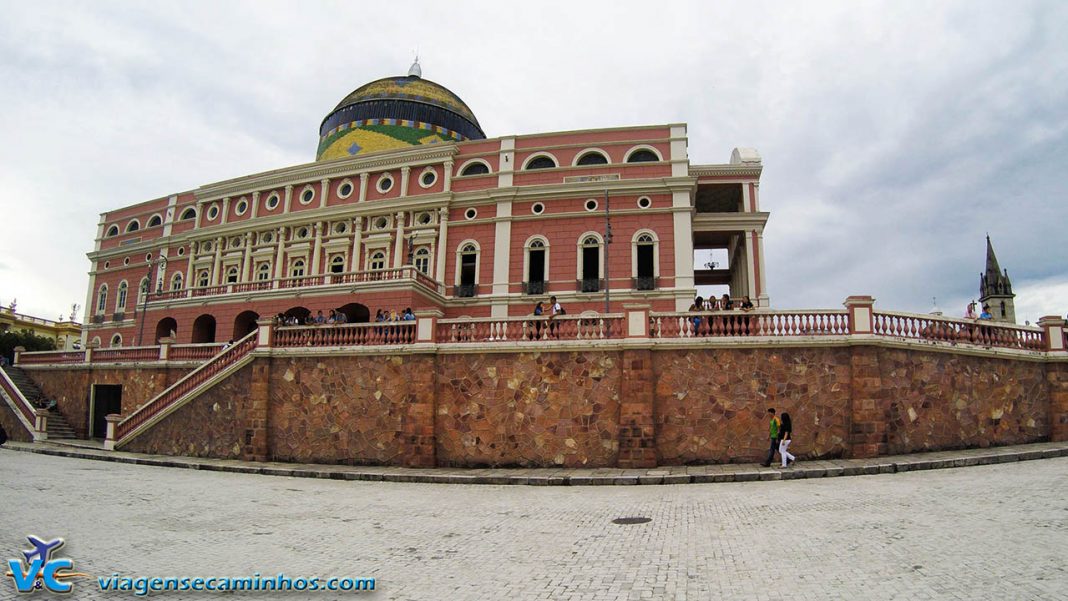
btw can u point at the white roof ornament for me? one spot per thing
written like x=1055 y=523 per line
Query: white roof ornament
x=415 y=70
x=745 y=156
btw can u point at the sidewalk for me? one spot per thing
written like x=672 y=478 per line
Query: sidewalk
x=742 y=472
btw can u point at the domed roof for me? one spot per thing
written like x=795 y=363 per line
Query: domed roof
x=394 y=112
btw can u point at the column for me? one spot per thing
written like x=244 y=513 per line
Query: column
x=217 y=263
x=279 y=254
x=761 y=298
x=189 y=274
x=398 y=244
x=443 y=236
x=317 y=248
x=363 y=186
x=225 y=210
x=255 y=204
x=246 y=261
x=325 y=194
x=288 y=199
x=405 y=173
x=502 y=248
x=357 y=240
x=683 y=233
x=448 y=176
x=750 y=264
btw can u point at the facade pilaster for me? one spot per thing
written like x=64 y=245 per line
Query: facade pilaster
x=317 y=248
x=225 y=210
x=255 y=204
x=216 y=264
x=448 y=176
x=443 y=237
x=363 y=185
x=398 y=243
x=246 y=261
x=502 y=247
x=357 y=240
x=406 y=173
x=288 y=199
x=325 y=194
x=279 y=253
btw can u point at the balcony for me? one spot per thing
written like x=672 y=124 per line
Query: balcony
x=371 y=279
x=465 y=290
x=645 y=283
x=590 y=284
x=534 y=287
x=118 y=316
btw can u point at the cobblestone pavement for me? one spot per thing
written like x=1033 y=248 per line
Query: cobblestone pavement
x=988 y=532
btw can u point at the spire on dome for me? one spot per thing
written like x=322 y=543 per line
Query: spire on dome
x=415 y=70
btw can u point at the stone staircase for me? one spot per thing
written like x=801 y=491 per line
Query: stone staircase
x=26 y=386
x=58 y=427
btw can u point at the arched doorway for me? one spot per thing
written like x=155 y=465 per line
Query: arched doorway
x=301 y=313
x=244 y=324
x=204 y=329
x=356 y=313
x=166 y=327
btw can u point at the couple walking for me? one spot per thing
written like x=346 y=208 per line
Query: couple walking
x=780 y=430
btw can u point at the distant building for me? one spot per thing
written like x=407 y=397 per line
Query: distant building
x=66 y=334
x=995 y=289
x=409 y=204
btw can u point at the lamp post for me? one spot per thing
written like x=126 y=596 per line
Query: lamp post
x=144 y=303
x=607 y=241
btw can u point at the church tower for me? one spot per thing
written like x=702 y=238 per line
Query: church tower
x=995 y=289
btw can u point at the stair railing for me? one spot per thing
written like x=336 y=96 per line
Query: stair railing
x=180 y=389
x=24 y=410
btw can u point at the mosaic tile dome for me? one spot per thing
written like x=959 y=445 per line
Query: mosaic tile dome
x=395 y=112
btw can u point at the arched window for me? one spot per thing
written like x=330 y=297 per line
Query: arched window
x=154 y=221
x=377 y=261
x=188 y=214
x=592 y=157
x=541 y=161
x=120 y=304
x=263 y=272
x=102 y=299
x=589 y=266
x=422 y=260
x=537 y=266
x=176 y=281
x=133 y=226
x=112 y=231
x=142 y=290
x=337 y=264
x=643 y=155
x=296 y=269
x=475 y=168
x=231 y=275
x=116 y=340
x=202 y=279
x=645 y=264
x=466 y=270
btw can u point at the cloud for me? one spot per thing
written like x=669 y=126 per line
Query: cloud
x=895 y=135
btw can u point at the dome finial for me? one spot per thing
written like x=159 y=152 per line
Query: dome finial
x=415 y=70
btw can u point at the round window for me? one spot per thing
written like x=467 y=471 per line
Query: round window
x=307 y=196
x=385 y=182
x=302 y=233
x=428 y=178
x=470 y=214
x=235 y=242
x=266 y=238
x=181 y=251
x=272 y=202
x=107 y=264
x=423 y=219
x=148 y=257
x=242 y=206
x=381 y=223
x=340 y=227
x=644 y=202
x=205 y=246
x=537 y=208
x=344 y=190
x=213 y=212
x=591 y=205
x=126 y=261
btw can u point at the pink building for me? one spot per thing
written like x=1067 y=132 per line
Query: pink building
x=409 y=204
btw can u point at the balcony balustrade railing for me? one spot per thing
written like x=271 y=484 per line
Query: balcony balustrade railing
x=353 y=334
x=399 y=274
x=699 y=324
x=942 y=329
x=519 y=329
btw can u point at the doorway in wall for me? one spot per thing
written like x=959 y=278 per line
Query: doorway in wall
x=107 y=399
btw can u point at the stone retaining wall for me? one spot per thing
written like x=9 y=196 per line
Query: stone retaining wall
x=601 y=407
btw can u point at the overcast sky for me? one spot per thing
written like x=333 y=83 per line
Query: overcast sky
x=894 y=135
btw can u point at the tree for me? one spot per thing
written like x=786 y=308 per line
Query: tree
x=25 y=339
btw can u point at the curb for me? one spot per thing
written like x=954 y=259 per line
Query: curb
x=706 y=474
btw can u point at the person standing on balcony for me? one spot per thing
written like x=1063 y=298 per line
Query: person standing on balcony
x=554 y=310
x=539 y=310
x=773 y=435
x=969 y=313
x=725 y=303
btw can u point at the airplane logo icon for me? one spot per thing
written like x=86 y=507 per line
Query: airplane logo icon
x=41 y=570
x=41 y=549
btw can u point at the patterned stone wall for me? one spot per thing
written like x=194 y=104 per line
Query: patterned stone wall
x=528 y=409
x=211 y=425
x=1057 y=379
x=71 y=388
x=12 y=425
x=710 y=405
x=945 y=401
x=352 y=410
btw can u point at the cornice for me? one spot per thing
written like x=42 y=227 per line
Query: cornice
x=414 y=156
x=728 y=169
